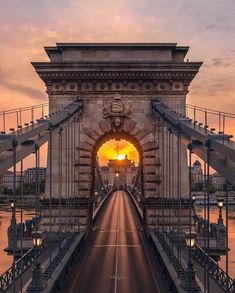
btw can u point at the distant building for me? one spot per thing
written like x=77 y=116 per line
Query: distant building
x=197 y=173
x=217 y=181
x=8 y=180
x=30 y=175
x=119 y=172
x=1 y=182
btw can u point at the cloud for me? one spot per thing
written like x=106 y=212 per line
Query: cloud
x=218 y=62
x=28 y=91
x=27 y=26
x=210 y=27
x=8 y=83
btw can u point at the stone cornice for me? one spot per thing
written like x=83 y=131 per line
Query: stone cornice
x=111 y=71
x=141 y=94
x=120 y=65
x=110 y=76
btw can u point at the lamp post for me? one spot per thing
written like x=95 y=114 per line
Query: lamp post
x=96 y=200
x=11 y=232
x=13 y=217
x=190 y=284
x=193 y=206
x=36 y=285
x=220 y=228
x=220 y=204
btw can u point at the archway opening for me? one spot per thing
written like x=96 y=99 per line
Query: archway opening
x=119 y=161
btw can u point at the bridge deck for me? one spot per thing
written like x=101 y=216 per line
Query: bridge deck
x=116 y=260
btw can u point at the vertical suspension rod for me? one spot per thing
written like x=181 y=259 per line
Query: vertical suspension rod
x=208 y=214
x=14 y=146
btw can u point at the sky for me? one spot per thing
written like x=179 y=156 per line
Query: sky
x=207 y=26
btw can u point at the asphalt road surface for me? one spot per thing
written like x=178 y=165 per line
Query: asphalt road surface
x=116 y=261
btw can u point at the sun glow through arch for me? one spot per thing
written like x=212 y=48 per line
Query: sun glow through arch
x=113 y=150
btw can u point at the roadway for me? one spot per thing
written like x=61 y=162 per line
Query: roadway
x=116 y=261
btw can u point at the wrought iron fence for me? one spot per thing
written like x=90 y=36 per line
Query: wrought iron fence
x=70 y=237
x=21 y=265
x=168 y=247
x=220 y=276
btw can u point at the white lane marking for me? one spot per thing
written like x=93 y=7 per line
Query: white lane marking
x=119 y=277
x=116 y=255
x=115 y=245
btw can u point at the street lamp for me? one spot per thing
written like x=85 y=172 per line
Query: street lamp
x=189 y=284
x=12 y=204
x=190 y=239
x=193 y=204
x=11 y=231
x=36 y=285
x=117 y=174
x=220 y=204
x=37 y=239
x=96 y=200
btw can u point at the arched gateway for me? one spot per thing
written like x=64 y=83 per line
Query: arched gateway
x=116 y=83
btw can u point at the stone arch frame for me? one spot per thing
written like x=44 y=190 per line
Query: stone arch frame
x=120 y=135
x=142 y=138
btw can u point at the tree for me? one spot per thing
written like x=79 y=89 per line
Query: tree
x=198 y=186
x=212 y=189
x=6 y=190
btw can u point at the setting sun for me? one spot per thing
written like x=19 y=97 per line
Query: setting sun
x=118 y=150
x=120 y=157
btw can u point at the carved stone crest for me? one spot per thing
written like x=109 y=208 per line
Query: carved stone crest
x=117 y=110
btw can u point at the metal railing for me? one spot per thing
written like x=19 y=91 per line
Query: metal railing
x=216 y=119
x=218 y=274
x=21 y=265
x=17 y=118
x=215 y=271
x=69 y=239
x=165 y=240
x=210 y=118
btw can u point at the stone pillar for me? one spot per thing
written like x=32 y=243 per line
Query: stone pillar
x=95 y=73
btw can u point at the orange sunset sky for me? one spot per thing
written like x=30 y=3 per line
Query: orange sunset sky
x=207 y=26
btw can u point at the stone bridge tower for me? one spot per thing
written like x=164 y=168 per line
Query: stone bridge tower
x=116 y=83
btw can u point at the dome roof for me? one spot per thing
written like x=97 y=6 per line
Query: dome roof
x=196 y=163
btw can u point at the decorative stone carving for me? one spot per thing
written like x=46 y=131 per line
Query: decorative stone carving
x=117 y=110
x=117 y=107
